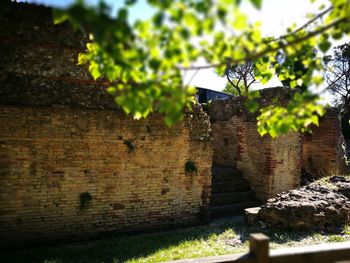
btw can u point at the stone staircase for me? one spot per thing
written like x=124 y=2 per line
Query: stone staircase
x=231 y=193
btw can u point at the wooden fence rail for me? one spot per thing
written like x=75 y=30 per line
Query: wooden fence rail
x=259 y=253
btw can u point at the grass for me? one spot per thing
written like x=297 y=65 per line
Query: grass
x=220 y=237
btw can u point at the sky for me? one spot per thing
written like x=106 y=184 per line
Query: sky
x=275 y=15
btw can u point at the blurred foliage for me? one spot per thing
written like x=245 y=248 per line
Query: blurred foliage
x=231 y=89
x=300 y=112
x=144 y=61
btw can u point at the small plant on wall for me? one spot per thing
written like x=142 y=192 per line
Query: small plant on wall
x=85 y=200
x=190 y=167
x=130 y=145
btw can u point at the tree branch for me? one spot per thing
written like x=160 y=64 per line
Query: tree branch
x=320 y=15
x=270 y=49
x=233 y=85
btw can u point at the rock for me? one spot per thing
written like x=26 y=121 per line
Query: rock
x=343 y=188
x=306 y=177
x=342 y=185
x=251 y=214
x=335 y=179
x=310 y=207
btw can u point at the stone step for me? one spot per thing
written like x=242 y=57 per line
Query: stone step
x=226 y=174
x=227 y=178
x=231 y=209
x=224 y=187
x=220 y=170
x=251 y=215
x=231 y=197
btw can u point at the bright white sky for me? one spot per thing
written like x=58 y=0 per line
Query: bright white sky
x=275 y=15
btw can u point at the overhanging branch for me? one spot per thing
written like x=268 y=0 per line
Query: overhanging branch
x=270 y=49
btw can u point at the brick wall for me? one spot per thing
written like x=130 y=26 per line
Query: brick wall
x=226 y=142
x=270 y=165
x=61 y=135
x=225 y=118
x=274 y=165
x=323 y=154
x=49 y=156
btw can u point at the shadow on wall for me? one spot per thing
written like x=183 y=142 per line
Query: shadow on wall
x=346 y=132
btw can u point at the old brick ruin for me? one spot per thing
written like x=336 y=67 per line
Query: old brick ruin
x=274 y=165
x=323 y=150
x=62 y=138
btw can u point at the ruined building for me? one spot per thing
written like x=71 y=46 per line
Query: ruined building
x=274 y=165
x=73 y=166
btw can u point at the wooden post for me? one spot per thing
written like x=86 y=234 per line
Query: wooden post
x=259 y=247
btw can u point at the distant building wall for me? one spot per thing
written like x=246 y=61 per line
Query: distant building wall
x=206 y=95
x=61 y=136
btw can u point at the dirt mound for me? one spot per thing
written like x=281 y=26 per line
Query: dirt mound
x=311 y=207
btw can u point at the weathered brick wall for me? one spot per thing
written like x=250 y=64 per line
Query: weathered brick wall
x=225 y=117
x=225 y=146
x=270 y=165
x=61 y=135
x=27 y=33
x=323 y=154
x=285 y=162
x=49 y=156
x=274 y=165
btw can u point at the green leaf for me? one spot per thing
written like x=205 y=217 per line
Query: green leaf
x=254 y=94
x=94 y=70
x=240 y=20
x=252 y=105
x=158 y=19
x=190 y=20
x=82 y=59
x=261 y=130
x=154 y=63
x=324 y=46
x=123 y=13
x=293 y=84
x=314 y=119
x=130 y=2
x=256 y=3
x=318 y=80
x=59 y=16
x=221 y=13
x=273 y=132
x=111 y=90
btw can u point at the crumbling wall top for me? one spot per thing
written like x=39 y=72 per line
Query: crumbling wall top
x=224 y=110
